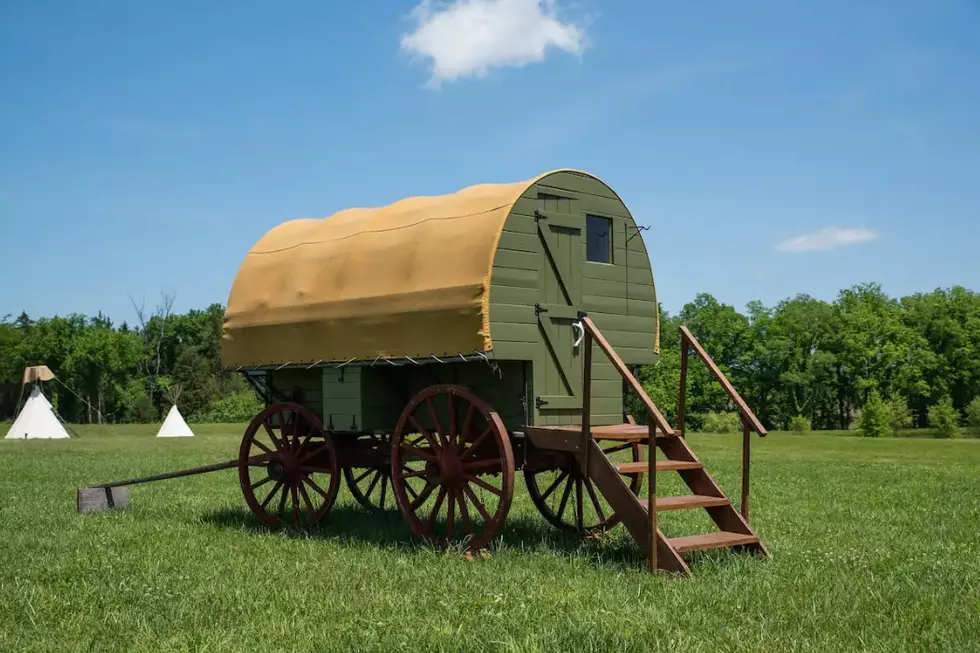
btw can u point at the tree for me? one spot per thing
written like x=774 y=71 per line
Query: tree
x=944 y=418
x=875 y=417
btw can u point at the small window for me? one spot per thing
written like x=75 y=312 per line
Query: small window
x=598 y=239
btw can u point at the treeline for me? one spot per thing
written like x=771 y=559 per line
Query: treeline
x=804 y=363
x=126 y=373
x=807 y=363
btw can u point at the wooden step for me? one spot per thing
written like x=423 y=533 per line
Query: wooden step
x=686 y=502
x=662 y=466
x=717 y=540
x=569 y=438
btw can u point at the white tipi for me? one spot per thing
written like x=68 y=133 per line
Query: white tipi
x=174 y=426
x=37 y=420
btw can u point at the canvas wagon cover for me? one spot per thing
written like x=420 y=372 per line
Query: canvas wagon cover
x=408 y=279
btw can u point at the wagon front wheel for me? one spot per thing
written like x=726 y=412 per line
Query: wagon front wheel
x=452 y=467
x=287 y=467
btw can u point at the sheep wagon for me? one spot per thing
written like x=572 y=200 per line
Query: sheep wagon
x=426 y=352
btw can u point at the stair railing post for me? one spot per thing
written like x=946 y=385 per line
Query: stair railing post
x=682 y=391
x=746 y=439
x=652 y=491
x=586 y=395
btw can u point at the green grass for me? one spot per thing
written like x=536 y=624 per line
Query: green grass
x=875 y=548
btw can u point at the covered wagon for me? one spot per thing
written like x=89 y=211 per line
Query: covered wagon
x=427 y=352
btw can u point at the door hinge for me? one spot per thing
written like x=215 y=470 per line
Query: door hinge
x=539 y=309
x=539 y=402
x=538 y=215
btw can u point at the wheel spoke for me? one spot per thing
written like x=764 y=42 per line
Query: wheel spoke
x=472 y=448
x=423 y=495
x=260 y=461
x=467 y=427
x=310 y=510
x=443 y=438
x=595 y=500
x=295 y=506
x=551 y=488
x=486 y=486
x=464 y=512
x=363 y=476
x=413 y=474
x=261 y=446
x=384 y=487
x=564 y=497
x=425 y=433
x=374 y=482
x=282 y=502
x=319 y=490
x=489 y=463
x=419 y=452
x=272 y=436
x=260 y=483
x=618 y=447
x=268 y=497
x=435 y=509
x=476 y=502
x=579 y=507
x=451 y=513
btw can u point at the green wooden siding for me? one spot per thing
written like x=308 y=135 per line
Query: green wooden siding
x=619 y=296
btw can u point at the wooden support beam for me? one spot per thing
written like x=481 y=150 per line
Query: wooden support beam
x=652 y=496
x=682 y=391
x=746 y=438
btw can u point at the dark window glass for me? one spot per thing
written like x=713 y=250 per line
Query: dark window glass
x=598 y=239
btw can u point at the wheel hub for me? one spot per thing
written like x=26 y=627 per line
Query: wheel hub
x=284 y=468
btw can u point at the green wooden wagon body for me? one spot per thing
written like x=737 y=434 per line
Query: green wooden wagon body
x=417 y=343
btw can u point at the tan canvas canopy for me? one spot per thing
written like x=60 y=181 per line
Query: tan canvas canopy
x=408 y=279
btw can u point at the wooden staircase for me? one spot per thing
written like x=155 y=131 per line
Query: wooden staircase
x=662 y=553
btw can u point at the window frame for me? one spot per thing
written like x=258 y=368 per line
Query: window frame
x=590 y=219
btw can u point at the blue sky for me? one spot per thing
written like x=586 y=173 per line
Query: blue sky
x=773 y=147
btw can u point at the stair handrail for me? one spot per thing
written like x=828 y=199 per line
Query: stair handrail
x=620 y=366
x=748 y=417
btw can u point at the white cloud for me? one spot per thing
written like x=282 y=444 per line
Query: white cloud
x=465 y=38
x=827 y=238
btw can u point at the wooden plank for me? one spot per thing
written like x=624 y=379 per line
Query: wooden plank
x=514 y=351
x=522 y=221
x=621 y=289
x=617 y=322
x=519 y=241
x=509 y=258
x=554 y=439
x=510 y=332
x=689 y=502
x=501 y=294
x=512 y=313
x=639 y=308
x=604 y=271
x=600 y=304
x=662 y=466
x=514 y=278
x=711 y=541
x=560 y=311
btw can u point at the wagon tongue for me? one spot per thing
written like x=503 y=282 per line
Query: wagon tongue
x=115 y=495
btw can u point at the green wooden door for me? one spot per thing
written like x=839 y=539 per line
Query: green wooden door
x=558 y=366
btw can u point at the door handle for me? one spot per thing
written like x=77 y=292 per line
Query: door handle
x=578 y=340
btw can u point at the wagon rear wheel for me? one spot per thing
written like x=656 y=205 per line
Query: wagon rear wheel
x=569 y=500
x=287 y=467
x=371 y=485
x=452 y=467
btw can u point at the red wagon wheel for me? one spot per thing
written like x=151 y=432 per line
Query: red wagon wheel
x=371 y=486
x=288 y=460
x=569 y=500
x=451 y=454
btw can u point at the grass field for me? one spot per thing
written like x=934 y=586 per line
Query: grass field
x=875 y=543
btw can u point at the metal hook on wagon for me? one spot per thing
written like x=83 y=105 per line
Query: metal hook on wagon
x=578 y=325
x=436 y=358
x=315 y=364
x=347 y=363
x=284 y=365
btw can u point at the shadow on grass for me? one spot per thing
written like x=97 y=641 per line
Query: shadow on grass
x=347 y=523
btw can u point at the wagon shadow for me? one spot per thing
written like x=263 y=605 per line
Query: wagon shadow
x=347 y=523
